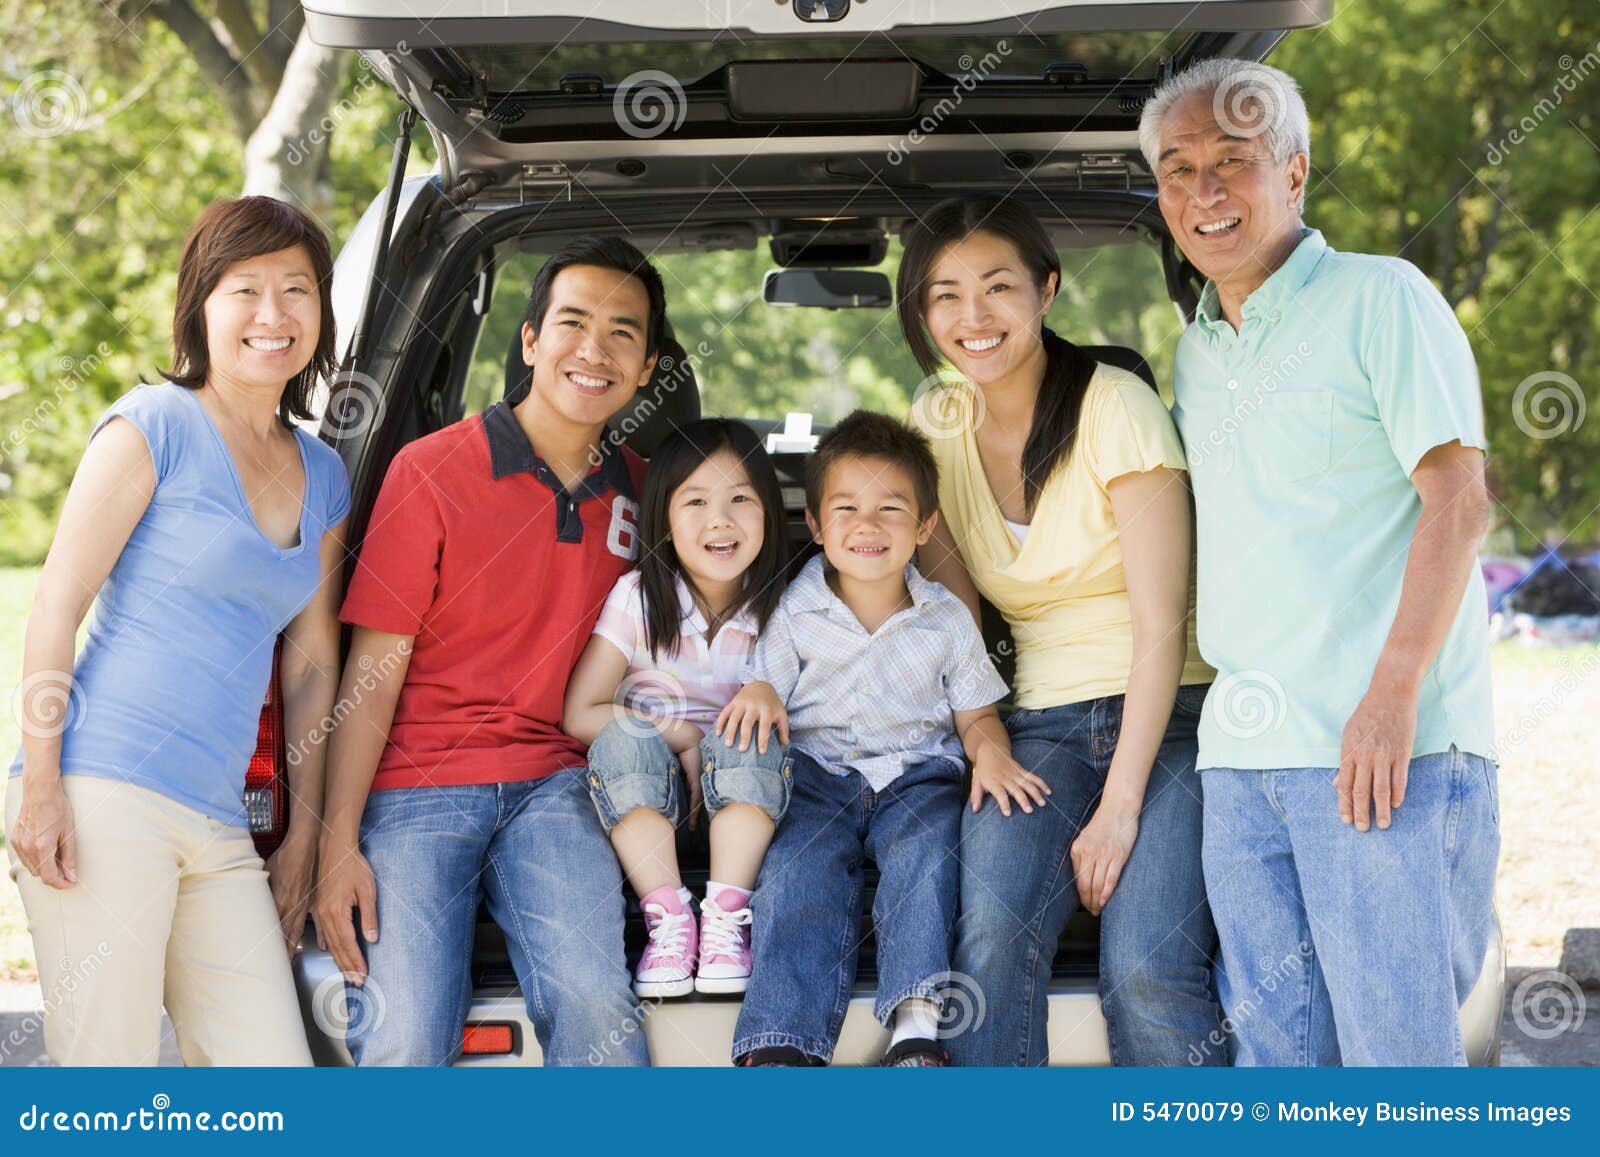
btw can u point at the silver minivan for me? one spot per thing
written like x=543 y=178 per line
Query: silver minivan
x=773 y=151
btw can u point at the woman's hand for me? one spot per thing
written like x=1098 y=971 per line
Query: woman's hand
x=995 y=773
x=1101 y=850
x=292 y=876
x=753 y=711
x=43 y=835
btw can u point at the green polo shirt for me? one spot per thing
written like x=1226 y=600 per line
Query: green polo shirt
x=1301 y=431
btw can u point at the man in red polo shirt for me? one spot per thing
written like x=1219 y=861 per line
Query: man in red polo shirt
x=490 y=552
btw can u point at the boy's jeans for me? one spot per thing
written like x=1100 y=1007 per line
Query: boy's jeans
x=1349 y=947
x=631 y=766
x=537 y=852
x=807 y=903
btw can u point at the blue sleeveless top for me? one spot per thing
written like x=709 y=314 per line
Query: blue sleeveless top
x=169 y=685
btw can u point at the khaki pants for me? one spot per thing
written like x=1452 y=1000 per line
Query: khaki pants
x=171 y=907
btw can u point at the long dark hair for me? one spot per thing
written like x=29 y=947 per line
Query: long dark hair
x=1067 y=370
x=237 y=230
x=659 y=569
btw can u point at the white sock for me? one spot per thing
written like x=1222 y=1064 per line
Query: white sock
x=686 y=896
x=714 y=890
x=915 y=1017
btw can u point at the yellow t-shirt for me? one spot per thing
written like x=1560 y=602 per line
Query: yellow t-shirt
x=1062 y=589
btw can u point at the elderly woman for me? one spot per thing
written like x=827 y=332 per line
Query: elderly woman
x=206 y=523
x=1062 y=489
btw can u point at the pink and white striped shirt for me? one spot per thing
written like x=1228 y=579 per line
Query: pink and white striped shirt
x=696 y=683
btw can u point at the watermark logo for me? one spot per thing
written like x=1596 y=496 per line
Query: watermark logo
x=48 y=704
x=1250 y=103
x=649 y=103
x=338 y=1008
x=1249 y=704
x=962 y=1004
x=49 y=104
x=1548 y=404
x=945 y=405
x=355 y=405
x=1547 y=1004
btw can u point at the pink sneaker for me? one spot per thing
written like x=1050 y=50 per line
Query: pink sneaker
x=724 y=949
x=667 y=966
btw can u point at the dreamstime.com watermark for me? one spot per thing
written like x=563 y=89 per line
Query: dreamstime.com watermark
x=1573 y=73
x=372 y=675
x=74 y=372
x=70 y=976
x=973 y=73
x=159 y=1117
x=1273 y=973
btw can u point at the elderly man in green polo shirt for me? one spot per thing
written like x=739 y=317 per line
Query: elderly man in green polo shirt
x=1330 y=413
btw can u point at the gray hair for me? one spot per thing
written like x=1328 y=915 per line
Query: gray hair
x=1250 y=99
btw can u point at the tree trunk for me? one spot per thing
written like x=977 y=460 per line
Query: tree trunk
x=284 y=156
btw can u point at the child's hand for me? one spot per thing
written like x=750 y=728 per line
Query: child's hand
x=689 y=760
x=996 y=773
x=754 y=710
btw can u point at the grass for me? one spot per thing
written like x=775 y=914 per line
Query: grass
x=1545 y=704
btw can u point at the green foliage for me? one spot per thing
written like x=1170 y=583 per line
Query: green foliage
x=113 y=144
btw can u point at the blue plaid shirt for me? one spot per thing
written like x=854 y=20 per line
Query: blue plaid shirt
x=875 y=703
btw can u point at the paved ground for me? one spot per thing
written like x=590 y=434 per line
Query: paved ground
x=1552 y=1024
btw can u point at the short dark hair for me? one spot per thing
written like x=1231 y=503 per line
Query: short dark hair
x=227 y=233
x=865 y=434
x=607 y=253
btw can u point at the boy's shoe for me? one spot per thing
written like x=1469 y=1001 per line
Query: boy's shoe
x=776 y=1057
x=667 y=966
x=916 y=1053
x=724 y=949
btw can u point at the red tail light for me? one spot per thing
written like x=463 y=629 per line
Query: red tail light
x=486 y=1040
x=265 y=794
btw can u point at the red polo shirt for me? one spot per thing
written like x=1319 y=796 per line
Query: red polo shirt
x=477 y=550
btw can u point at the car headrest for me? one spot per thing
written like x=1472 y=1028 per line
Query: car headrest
x=1122 y=358
x=669 y=400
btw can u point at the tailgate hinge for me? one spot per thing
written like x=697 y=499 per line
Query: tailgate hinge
x=545 y=180
x=1112 y=165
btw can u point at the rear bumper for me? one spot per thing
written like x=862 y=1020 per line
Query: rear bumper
x=698 y=1030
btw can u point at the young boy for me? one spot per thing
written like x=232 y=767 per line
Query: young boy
x=879 y=680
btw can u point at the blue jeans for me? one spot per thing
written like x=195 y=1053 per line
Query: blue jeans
x=807 y=903
x=1349 y=947
x=632 y=767
x=1157 y=940
x=536 y=851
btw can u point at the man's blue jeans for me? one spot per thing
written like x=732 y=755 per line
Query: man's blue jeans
x=1349 y=947
x=1157 y=940
x=807 y=929
x=537 y=852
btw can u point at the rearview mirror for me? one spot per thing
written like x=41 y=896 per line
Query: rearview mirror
x=828 y=288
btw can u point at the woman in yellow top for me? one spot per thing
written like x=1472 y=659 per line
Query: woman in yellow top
x=1062 y=486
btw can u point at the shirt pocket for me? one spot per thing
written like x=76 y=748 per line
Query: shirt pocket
x=1291 y=435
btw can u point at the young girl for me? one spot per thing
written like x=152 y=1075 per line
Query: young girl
x=667 y=655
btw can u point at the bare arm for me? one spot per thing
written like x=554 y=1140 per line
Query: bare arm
x=1376 y=756
x=940 y=560
x=374 y=674
x=590 y=701
x=309 y=672
x=994 y=770
x=1154 y=531
x=110 y=492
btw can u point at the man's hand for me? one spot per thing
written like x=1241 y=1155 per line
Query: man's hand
x=346 y=883
x=1375 y=757
x=995 y=773
x=1100 y=852
x=292 y=876
x=754 y=710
